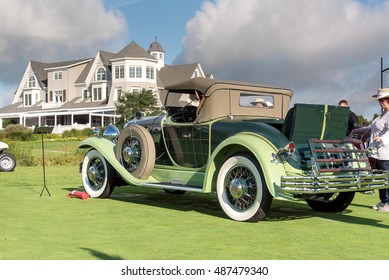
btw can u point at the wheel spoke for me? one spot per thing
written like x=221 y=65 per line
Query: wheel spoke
x=131 y=153
x=244 y=178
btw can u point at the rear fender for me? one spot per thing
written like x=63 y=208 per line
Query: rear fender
x=260 y=148
x=107 y=149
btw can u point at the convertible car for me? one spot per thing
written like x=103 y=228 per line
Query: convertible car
x=239 y=140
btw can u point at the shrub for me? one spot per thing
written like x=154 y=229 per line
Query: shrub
x=78 y=134
x=17 y=132
x=23 y=157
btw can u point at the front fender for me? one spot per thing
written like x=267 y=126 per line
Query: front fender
x=262 y=150
x=107 y=149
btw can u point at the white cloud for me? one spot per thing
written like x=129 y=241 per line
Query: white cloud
x=49 y=31
x=323 y=50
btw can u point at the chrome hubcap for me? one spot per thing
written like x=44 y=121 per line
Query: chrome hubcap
x=92 y=173
x=236 y=188
x=128 y=154
x=241 y=187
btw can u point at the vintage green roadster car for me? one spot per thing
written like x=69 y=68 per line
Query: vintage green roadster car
x=239 y=140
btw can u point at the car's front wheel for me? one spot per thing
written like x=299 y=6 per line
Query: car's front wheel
x=241 y=189
x=98 y=176
x=7 y=162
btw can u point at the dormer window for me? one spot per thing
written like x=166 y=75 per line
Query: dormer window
x=57 y=75
x=101 y=74
x=32 y=82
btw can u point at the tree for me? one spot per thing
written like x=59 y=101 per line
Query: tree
x=363 y=121
x=131 y=102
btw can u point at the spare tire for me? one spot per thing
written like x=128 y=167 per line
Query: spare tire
x=135 y=150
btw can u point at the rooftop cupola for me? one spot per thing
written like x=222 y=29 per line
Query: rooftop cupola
x=157 y=51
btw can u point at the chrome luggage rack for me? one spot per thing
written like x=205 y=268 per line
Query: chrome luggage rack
x=338 y=156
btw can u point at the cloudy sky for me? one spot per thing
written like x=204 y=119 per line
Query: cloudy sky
x=324 y=50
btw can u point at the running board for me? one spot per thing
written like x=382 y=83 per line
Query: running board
x=172 y=187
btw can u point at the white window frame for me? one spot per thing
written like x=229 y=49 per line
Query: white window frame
x=32 y=81
x=27 y=99
x=150 y=72
x=119 y=72
x=58 y=96
x=138 y=71
x=101 y=74
x=57 y=75
x=131 y=71
x=97 y=94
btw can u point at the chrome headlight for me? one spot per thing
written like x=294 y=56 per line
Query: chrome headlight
x=111 y=132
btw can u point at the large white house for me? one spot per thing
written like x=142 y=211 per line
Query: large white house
x=82 y=93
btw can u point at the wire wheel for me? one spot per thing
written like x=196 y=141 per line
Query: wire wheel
x=97 y=175
x=241 y=189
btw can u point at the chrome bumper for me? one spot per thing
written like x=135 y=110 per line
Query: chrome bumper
x=334 y=183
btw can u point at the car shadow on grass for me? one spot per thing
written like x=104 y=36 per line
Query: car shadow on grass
x=188 y=202
x=286 y=211
x=208 y=204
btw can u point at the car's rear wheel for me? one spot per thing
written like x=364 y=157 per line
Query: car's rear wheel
x=7 y=162
x=136 y=151
x=98 y=176
x=331 y=202
x=241 y=189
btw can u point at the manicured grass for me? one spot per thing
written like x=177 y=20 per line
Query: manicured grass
x=137 y=223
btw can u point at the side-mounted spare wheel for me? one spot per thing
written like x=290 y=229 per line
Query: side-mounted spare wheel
x=241 y=189
x=98 y=176
x=135 y=150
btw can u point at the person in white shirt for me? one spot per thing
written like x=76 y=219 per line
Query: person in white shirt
x=379 y=140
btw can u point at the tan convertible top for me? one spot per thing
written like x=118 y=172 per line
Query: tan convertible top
x=222 y=98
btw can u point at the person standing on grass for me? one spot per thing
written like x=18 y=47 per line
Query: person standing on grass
x=379 y=140
x=352 y=119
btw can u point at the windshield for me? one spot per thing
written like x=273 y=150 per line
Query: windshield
x=180 y=99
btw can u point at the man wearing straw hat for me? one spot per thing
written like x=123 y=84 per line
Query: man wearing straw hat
x=259 y=102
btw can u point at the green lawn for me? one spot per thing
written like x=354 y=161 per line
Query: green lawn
x=138 y=223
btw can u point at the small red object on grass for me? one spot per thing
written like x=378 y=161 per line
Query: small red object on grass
x=78 y=194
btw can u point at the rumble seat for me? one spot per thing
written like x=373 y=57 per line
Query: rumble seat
x=312 y=121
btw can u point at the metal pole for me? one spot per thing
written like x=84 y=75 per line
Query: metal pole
x=382 y=66
x=44 y=171
x=382 y=72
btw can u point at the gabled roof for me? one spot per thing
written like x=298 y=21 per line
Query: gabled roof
x=106 y=57
x=66 y=63
x=40 y=69
x=133 y=50
x=171 y=74
x=81 y=79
